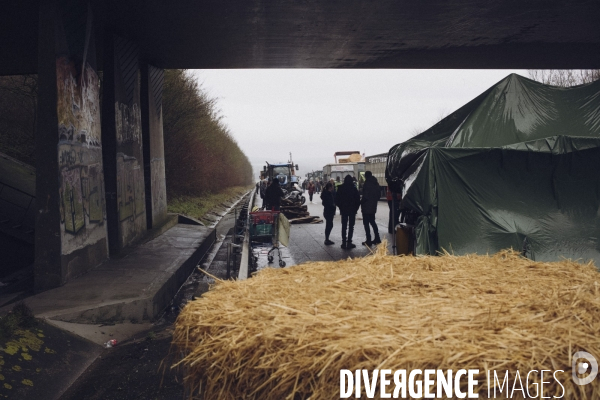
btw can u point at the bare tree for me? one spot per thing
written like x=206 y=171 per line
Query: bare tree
x=201 y=154
x=564 y=77
x=416 y=130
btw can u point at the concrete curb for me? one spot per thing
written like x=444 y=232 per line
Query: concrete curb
x=136 y=287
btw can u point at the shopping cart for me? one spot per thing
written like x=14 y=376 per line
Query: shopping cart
x=264 y=228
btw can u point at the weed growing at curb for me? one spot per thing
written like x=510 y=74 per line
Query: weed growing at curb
x=20 y=317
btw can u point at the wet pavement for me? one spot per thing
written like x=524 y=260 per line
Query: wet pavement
x=307 y=240
x=41 y=362
x=139 y=368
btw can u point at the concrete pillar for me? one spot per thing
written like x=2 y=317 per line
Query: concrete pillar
x=122 y=133
x=154 y=152
x=70 y=233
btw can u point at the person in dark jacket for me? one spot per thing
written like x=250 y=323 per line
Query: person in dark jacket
x=328 y=198
x=263 y=190
x=273 y=195
x=262 y=187
x=348 y=201
x=368 y=204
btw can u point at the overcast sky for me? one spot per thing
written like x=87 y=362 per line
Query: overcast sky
x=313 y=113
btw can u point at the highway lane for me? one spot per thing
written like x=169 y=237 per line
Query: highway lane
x=307 y=240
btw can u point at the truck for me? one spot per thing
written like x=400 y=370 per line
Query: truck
x=376 y=164
x=284 y=172
x=353 y=165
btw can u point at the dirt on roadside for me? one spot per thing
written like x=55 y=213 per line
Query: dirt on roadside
x=137 y=369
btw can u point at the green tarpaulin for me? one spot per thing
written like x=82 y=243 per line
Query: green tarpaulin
x=518 y=166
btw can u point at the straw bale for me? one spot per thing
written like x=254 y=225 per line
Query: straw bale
x=286 y=333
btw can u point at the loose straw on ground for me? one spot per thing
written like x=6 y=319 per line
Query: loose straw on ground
x=286 y=333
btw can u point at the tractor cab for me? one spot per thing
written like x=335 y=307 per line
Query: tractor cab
x=284 y=172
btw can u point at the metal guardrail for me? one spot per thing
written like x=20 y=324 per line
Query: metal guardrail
x=231 y=251
x=244 y=262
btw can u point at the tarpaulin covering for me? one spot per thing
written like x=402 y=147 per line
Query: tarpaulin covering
x=518 y=166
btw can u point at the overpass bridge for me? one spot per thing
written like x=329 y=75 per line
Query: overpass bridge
x=99 y=177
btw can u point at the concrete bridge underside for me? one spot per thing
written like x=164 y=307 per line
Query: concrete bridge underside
x=331 y=33
x=100 y=181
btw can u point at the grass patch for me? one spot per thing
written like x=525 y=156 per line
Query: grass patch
x=20 y=317
x=198 y=206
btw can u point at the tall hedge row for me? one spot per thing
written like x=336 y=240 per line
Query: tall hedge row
x=200 y=153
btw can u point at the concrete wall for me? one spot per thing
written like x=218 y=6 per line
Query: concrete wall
x=71 y=234
x=152 y=133
x=122 y=127
x=100 y=171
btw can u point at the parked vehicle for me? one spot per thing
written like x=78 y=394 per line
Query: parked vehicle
x=376 y=164
x=353 y=166
x=285 y=172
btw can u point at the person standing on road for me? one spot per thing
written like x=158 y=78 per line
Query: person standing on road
x=328 y=198
x=273 y=195
x=317 y=186
x=368 y=205
x=348 y=201
x=262 y=190
x=311 y=191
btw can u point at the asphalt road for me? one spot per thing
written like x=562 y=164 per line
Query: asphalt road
x=307 y=240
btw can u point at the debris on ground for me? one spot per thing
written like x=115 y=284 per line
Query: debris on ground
x=297 y=214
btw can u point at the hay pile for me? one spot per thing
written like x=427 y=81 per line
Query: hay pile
x=286 y=333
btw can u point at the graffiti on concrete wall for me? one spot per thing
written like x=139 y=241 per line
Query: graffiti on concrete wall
x=129 y=123
x=78 y=103
x=130 y=187
x=159 y=190
x=72 y=200
x=92 y=183
x=82 y=205
x=130 y=174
